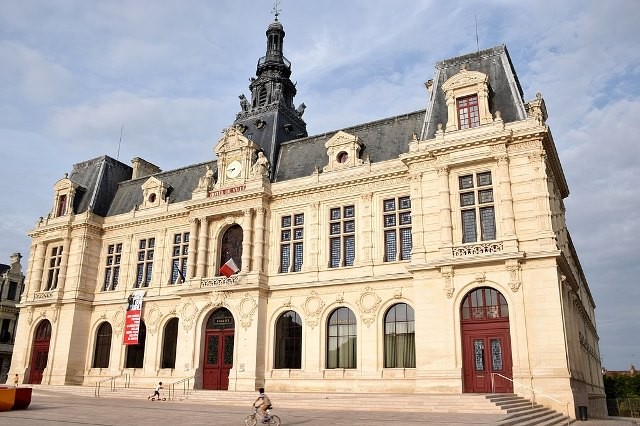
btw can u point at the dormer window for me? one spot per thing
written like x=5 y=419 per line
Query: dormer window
x=64 y=196
x=467 y=97
x=468 y=114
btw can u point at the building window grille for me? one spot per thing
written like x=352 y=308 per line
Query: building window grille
x=54 y=267
x=288 y=345
x=399 y=337
x=397 y=229
x=145 y=262
x=342 y=238
x=291 y=243
x=112 y=269
x=483 y=304
x=179 y=254
x=477 y=207
x=342 y=337
x=468 y=113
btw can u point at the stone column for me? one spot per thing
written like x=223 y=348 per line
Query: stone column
x=193 y=242
x=312 y=235
x=506 y=199
x=446 y=227
x=365 y=234
x=203 y=240
x=38 y=268
x=418 y=249
x=247 y=230
x=258 y=254
x=64 y=261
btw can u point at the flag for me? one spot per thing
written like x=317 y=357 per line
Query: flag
x=180 y=277
x=229 y=268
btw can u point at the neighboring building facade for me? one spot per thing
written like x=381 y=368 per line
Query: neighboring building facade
x=418 y=253
x=11 y=282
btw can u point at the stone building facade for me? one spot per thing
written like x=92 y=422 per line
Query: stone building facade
x=11 y=284
x=426 y=252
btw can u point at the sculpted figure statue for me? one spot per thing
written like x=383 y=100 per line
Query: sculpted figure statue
x=244 y=103
x=261 y=166
x=300 y=109
x=206 y=181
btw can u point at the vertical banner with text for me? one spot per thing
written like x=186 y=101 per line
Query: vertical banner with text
x=132 y=320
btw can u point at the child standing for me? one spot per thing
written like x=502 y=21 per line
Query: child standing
x=16 y=380
x=156 y=392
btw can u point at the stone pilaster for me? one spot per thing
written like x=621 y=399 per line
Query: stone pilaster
x=203 y=240
x=247 y=231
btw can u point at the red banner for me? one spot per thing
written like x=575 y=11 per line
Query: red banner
x=132 y=320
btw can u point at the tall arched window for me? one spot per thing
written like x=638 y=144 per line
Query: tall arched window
x=169 y=344
x=399 y=337
x=484 y=304
x=342 y=339
x=135 y=353
x=288 y=350
x=102 y=351
x=232 y=246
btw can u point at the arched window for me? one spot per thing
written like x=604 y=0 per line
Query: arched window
x=288 y=350
x=135 y=353
x=399 y=337
x=484 y=304
x=43 y=333
x=169 y=344
x=232 y=246
x=102 y=352
x=342 y=339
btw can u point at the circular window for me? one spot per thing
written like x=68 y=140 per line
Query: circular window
x=342 y=157
x=152 y=198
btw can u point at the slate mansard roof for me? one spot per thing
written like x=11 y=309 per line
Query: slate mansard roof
x=505 y=92
x=108 y=189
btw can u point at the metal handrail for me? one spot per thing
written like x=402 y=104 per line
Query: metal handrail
x=186 y=385
x=112 y=383
x=533 y=392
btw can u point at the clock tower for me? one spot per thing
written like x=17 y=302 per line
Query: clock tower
x=270 y=116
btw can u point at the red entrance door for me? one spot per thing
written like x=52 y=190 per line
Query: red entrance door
x=40 y=352
x=486 y=342
x=218 y=352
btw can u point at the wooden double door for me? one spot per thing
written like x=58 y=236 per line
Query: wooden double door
x=486 y=349
x=218 y=350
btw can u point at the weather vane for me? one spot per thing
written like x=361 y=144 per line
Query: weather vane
x=276 y=9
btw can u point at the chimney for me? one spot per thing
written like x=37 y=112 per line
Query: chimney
x=142 y=168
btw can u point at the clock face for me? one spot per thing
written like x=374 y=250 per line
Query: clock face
x=233 y=169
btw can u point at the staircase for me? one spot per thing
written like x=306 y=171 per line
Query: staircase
x=522 y=413
x=516 y=410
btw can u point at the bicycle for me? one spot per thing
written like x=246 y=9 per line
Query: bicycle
x=269 y=419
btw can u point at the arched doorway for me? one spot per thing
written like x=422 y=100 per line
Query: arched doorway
x=40 y=352
x=486 y=343
x=218 y=350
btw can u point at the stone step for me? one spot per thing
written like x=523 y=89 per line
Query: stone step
x=435 y=403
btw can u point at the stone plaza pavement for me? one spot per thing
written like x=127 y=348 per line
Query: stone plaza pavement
x=52 y=408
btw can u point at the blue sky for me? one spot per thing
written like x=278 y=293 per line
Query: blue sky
x=74 y=72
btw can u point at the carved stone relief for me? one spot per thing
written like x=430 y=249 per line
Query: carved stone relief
x=447 y=275
x=247 y=307
x=189 y=312
x=368 y=303
x=118 y=321
x=152 y=319
x=513 y=268
x=312 y=307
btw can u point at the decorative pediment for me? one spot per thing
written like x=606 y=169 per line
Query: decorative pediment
x=236 y=155
x=154 y=193
x=464 y=79
x=64 y=195
x=343 y=150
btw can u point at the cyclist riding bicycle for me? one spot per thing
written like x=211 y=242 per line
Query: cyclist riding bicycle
x=265 y=404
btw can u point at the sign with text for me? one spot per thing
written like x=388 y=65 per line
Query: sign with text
x=227 y=191
x=132 y=320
